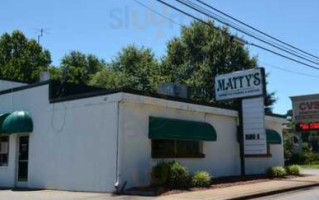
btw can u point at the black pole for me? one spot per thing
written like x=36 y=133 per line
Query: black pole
x=241 y=138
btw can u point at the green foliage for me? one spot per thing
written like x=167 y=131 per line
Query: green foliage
x=179 y=176
x=160 y=173
x=201 y=179
x=288 y=143
x=311 y=166
x=134 y=68
x=110 y=79
x=201 y=53
x=311 y=158
x=276 y=172
x=171 y=174
x=21 y=58
x=79 y=68
x=305 y=158
x=293 y=170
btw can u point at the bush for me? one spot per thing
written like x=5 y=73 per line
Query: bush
x=160 y=173
x=293 y=170
x=276 y=172
x=201 y=179
x=305 y=158
x=311 y=158
x=178 y=176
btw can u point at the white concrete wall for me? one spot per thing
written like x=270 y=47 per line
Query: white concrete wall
x=260 y=165
x=222 y=156
x=7 y=173
x=4 y=85
x=73 y=145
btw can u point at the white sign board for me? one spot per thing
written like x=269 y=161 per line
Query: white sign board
x=306 y=108
x=254 y=132
x=240 y=84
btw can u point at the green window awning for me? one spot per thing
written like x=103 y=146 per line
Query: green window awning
x=2 y=118
x=176 y=129
x=16 y=122
x=273 y=137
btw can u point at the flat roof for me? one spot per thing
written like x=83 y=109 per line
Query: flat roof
x=307 y=96
x=89 y=91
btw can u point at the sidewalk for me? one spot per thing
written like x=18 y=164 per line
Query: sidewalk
x=246 y=191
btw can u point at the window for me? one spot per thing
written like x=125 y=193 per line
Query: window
x=4 y=150
x=176 y=149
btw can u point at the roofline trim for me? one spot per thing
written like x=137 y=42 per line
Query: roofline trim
x=15 y=80
x=137 y=92
x=24 y=87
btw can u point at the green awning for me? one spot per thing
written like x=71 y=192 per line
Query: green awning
x=17 y=122
x=2 y=118
x=175 y=129
x=273 y=137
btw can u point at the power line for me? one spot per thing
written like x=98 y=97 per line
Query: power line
x=255 y=29
x=246 y=42
x=158 y=13
x=281 y=55
x=263 y=63
x=200 y=10
x=286 y=70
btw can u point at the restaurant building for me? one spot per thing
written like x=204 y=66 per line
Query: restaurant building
x=80 y=138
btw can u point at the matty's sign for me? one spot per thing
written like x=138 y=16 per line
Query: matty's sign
x=254 y=130
x=240 y=84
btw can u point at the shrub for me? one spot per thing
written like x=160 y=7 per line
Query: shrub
x=276 y=172
x=178 y=176
x=201 y=179
x=160 y=173
x=293 y=169
x=311 y=158
x=304 y=158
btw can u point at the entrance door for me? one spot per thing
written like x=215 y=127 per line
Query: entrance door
x=23 y=158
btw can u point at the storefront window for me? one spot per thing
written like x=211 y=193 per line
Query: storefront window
x=4 y=150
x=176 y=149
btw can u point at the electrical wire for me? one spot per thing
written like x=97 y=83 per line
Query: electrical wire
x=255 y=29
x=224 y=32
x=281 y=55
x=158 y=13
x=286 y=70
x=207 y=13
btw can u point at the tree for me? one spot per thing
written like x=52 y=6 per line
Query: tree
x=110 y=79
x=199 y=55
x=78 y=68
x=21 y=58
x=134 y=67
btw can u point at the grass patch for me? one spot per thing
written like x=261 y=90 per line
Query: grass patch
x=314 y=166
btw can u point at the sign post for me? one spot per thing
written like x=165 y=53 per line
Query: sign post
x=249 y=87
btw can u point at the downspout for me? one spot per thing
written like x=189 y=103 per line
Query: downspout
x=118 y=161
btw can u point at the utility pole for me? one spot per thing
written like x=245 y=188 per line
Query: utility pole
x=40 y=35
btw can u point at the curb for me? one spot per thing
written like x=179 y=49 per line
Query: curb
x=269 y=193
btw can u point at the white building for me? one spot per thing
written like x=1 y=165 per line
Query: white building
x=86 y=139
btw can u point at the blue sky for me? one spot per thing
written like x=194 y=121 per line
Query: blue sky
x=103 y=27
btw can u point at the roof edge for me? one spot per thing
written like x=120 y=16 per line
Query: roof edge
x=15 y=80
x=24 y=87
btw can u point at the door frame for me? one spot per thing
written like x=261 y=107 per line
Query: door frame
x=20 y=184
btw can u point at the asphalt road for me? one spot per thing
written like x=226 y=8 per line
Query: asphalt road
x=306 y=194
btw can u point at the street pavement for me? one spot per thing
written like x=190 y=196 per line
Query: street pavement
x=61 y=195
x=238 y=191
x=305 y=194
x=310 y=171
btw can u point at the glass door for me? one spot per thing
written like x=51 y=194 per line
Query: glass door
x=23 y=159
